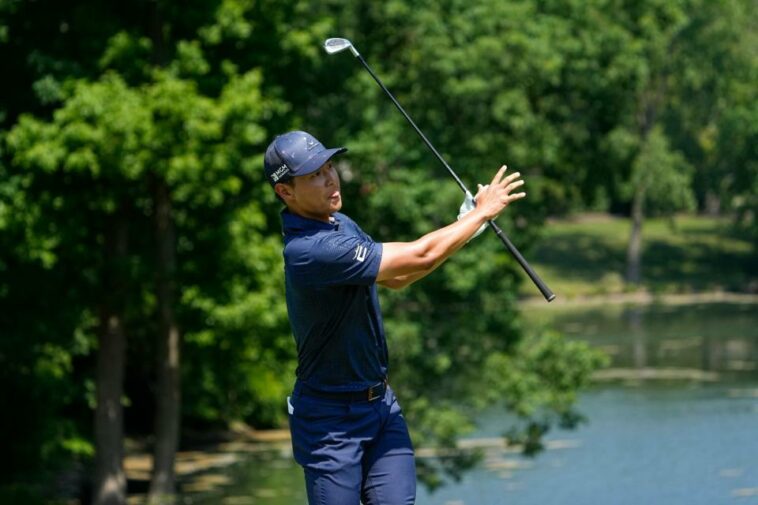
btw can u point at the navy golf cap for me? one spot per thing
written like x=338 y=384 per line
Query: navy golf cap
x=293 y=154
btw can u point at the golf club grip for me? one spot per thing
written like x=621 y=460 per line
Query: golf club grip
x=546 y=292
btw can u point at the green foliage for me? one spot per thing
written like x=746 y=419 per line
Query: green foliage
x=740 y=184
x=664 y=174
x=129 y=55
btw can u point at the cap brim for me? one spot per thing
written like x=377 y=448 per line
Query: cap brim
x=317 y=160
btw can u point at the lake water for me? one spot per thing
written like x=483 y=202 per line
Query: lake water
x=673 y=420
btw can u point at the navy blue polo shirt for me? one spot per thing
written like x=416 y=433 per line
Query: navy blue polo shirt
x=330 y=272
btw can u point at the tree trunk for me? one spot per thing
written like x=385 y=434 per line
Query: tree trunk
x=646 y=117
x=634 y=250
x=639 y=346
x=712 y=203
x=168 y=394
x=110 y=480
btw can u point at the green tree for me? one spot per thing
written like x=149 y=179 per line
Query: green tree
x=709 y=118
x=75 y=152
x=119 y=140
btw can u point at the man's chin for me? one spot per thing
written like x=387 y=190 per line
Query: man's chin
x=335 y=205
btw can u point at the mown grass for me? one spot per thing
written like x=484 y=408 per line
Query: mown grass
x=586 y=256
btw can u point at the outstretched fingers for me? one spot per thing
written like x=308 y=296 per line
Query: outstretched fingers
x=510 y=184
x=499 y=175
x=515 y=196
x=510 y=178
x=494 y=197
x=510 y=187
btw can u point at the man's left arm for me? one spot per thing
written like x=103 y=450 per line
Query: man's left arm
x=403 y=281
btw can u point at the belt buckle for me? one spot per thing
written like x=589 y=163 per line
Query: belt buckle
x=370 y=391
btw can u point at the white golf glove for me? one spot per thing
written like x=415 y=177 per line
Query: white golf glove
x=467 y=206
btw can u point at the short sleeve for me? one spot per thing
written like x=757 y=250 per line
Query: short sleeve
x=336 y=259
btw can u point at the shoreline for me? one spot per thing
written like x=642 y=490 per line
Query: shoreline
x=641 y=297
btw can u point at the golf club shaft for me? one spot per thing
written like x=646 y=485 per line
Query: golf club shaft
x=546 y=292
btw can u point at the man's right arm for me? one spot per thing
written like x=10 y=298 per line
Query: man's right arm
x=405 y=262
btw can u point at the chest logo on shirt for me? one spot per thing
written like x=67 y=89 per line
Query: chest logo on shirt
x=360 y=253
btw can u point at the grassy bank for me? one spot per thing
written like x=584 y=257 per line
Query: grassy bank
x=585 y=256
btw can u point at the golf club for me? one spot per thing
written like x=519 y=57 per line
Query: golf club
x=336 y=45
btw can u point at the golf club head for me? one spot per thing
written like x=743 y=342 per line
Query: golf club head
x=336 y=45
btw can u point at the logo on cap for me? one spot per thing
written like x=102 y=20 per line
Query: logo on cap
x=310 y=143
x=280 y=172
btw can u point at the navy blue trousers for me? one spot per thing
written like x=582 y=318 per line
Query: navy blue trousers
x=353 y=452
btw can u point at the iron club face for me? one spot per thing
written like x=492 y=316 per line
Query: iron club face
x=336 y=45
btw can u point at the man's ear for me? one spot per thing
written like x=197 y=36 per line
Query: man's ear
x=284 y=191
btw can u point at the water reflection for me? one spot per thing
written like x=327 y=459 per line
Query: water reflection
x=263 y=474
x=705 y=342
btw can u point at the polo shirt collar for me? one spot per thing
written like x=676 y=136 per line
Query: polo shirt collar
x=292 y=223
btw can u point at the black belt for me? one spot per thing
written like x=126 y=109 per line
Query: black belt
x=364 y=395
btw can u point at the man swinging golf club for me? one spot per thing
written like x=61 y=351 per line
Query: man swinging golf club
x=348 y=432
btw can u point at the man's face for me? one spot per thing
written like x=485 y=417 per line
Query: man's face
x=316 y=195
